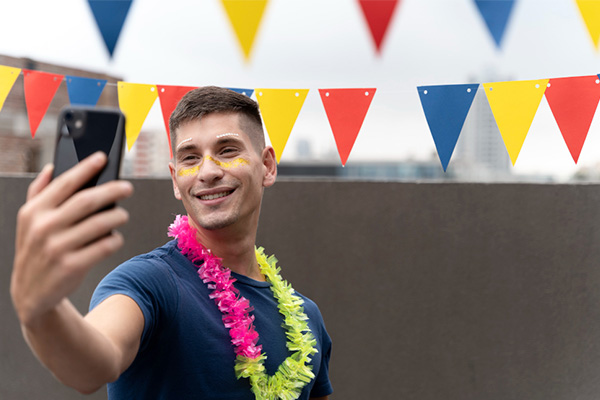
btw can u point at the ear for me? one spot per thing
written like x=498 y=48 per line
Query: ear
x=173 y=178
x=270 y=166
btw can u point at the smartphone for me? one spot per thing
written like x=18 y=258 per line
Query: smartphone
x=83 y=131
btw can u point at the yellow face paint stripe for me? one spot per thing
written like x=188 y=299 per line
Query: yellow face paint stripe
x=188 y=171
x=238 y=162
x=231 y=164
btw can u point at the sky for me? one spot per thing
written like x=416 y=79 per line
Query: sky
x=316 y=44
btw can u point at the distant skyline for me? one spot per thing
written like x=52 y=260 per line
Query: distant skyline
x=319 y=44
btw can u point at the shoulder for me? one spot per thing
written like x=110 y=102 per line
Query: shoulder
x=311 y=309
x=151 y=273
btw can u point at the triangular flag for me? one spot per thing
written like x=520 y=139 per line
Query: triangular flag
x=245 y=17
x=84 y=91
x=110 y=16
x=378 y=14
x=346 y=110
x=573 y=102
x=135 y=100
x=514 y=105
x=280 y=109
x=246 y=92
x=40 y=88
x=169 y=96
x=496 y=14
x=446 y=108
x=8 y=77
x=590 y=11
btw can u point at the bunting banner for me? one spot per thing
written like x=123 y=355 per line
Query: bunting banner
x=245 y=17
x=135 y=101
x=110 y=16
x=246 y=92
x=378 y=14
x=496 y=14
x=590 y=12
x=169 y=96
x=573 y=102
x=84 y=91
x=280 y=109
x=40 y=88
x=446 y=108
x=346 y=110
x=8 y=77
x=514 y=105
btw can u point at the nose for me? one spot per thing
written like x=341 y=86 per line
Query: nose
x=209 y=170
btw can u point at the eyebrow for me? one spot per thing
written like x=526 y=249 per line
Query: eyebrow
x=227 y=134
x=229 y=139
x=183 y=149
x=182 y=142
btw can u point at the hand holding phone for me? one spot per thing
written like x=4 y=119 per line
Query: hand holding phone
x=63 y=231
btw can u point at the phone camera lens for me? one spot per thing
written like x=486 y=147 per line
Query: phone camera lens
x=68 y=116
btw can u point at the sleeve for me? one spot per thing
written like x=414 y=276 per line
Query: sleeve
x=322 y=385
x=149 y=283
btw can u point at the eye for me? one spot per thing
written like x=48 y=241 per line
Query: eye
x=229 y=150
x=189 y=157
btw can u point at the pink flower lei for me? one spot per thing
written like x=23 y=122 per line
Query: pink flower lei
x=235 y=308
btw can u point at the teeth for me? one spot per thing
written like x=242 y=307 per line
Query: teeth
x=214 y=196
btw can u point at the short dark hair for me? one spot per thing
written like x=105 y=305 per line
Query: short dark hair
x=213 y=99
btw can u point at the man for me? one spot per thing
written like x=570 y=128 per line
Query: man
x=156 y=328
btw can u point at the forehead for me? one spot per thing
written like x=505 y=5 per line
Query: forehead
x=212 y=128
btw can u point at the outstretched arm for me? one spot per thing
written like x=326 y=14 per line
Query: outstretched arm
x=60 y=237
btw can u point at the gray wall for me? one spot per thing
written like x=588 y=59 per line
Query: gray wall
x=429 y=291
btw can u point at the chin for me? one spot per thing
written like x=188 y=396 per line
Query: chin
x=213 y=224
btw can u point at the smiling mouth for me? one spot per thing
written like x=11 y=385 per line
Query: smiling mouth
x=215 y=195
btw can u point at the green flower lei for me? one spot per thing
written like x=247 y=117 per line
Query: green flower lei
x=295 y=372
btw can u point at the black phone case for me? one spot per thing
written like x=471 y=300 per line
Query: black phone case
x=84 y=130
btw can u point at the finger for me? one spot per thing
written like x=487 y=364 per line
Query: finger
x=89 y=230
x=70 y=181
x=40 y=182
x=90 y=255
x=89 y=201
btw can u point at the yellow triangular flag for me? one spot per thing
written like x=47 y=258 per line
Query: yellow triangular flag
x=245 y=17
x=280 y=109
x=8 y=77
x=514 y=105
x=590 y=11
x=135 y=100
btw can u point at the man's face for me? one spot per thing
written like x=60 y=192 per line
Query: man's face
x=218 y=175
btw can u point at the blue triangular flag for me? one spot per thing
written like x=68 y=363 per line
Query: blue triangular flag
x=110 y=16
x=85 y=91
x=495 y=14
x=446 y=108
x=247 y=92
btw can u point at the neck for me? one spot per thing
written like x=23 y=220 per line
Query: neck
x=235 y=248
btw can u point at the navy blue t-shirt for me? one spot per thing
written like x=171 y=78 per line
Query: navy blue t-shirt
x=185 y=351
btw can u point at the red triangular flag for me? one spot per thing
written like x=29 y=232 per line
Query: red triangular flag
x=378 y=14
x=346 y=110
x=573 y=102
x=40 y=88
x=169 y=96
